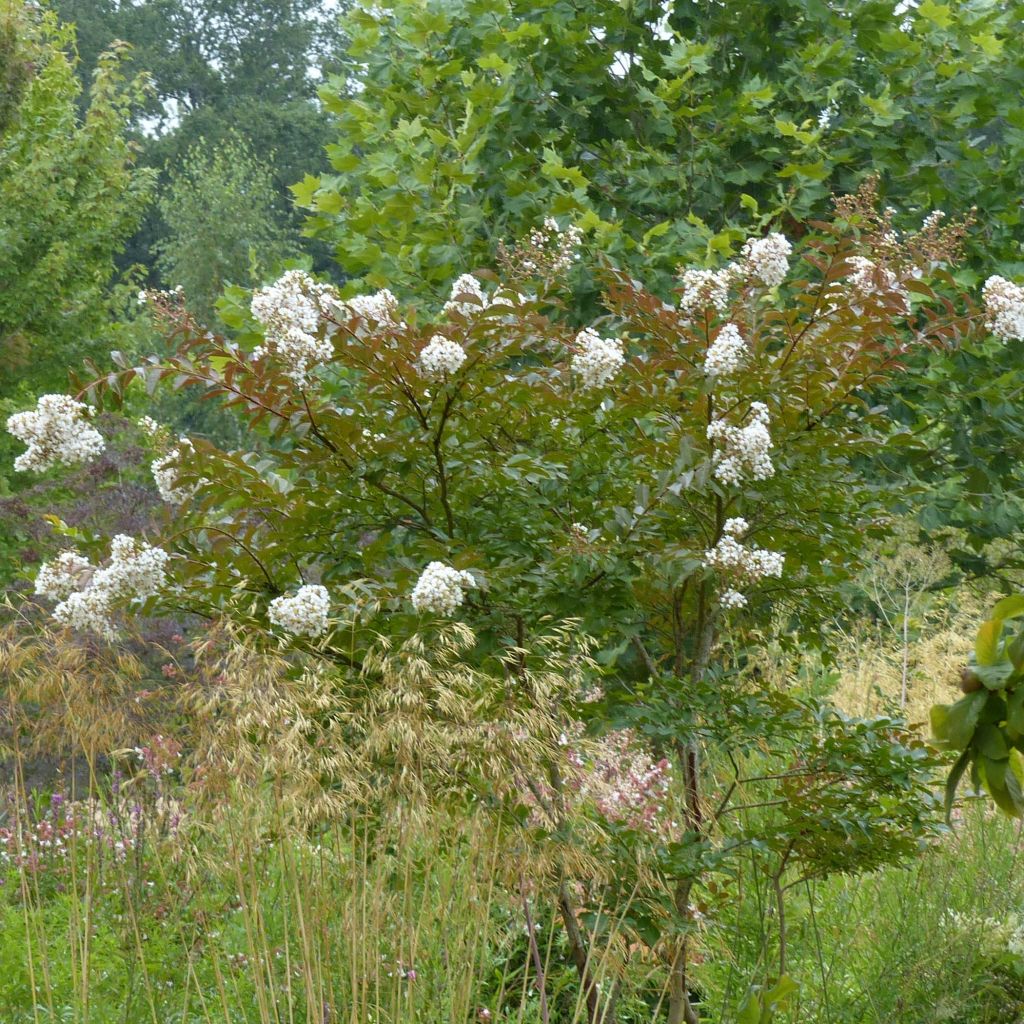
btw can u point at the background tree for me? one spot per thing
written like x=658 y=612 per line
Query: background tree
x=71 y=196
x=473 y=120
x=224 y=223
x=221 y=70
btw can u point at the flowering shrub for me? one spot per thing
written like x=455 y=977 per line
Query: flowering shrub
x=412 y=462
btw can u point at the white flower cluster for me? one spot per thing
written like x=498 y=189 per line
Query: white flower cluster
x=743 y=451
x=739 y=564
x=597 y=359
x=136 y=570
x=440 y=589
x=561 y=247
x=767 y=259
x=165 y=474
x=290 y=311
x=704 y=288
x=380 y=306
x=441 y=357
x=55 y=433
x=60 y=578
x=726 y=353
x=1004 y=308
x=304 y=613
x=150 y=427
x=867 y=278
x=467 y=285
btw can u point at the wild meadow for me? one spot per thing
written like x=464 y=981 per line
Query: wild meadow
x=509 y=512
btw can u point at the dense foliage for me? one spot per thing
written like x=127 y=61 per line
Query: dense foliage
x=491 y=462
x=661 y=131
x=669 y=132
x=71 y=198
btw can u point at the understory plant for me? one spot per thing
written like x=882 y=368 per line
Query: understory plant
x=485 y=535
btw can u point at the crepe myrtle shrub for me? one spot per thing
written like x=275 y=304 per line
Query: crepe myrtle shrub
x=684 y=468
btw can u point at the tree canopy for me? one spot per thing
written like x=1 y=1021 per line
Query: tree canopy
x=71 y=196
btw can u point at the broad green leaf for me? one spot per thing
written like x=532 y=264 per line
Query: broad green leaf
x=953 y=725
x=986 y=646
x=937 y=14
x=1009 y=607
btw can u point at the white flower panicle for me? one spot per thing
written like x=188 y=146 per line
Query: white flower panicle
x=561 y=247
x=469 y=286
x=867 y=278
x=441 y=357
x=88 y=611
x=150 y=427
x=767 y=259
x=88 y=596
x=1004 y=308
x=440 y=589
x=726 y=353
x=165 y=474
x=703 y=289
x=740 y=565
x=304 y=613
x=466 y=285
x=742 y=452
x=136 y=570
x=291 y=310
x=60 y=578
x=381 y=307
x=596 y=359
x=55 y=433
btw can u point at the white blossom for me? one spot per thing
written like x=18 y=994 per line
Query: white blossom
x=381 y=307
x=304 y=613
x=60 y=578
x=767 y=259
x=466 y=285
x=88 y=611
x=867 y=278
x=440 y=589
x=441 y=358
x=561 y=247
x=738 y=564
x=1004 y=308
x=136 y=570
x=149 y=426
x=291 y=310
x=742 y=452
x=596 y=359
x=56 y=434
x=165 y=474
x=705 y=288
x=726 y=353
